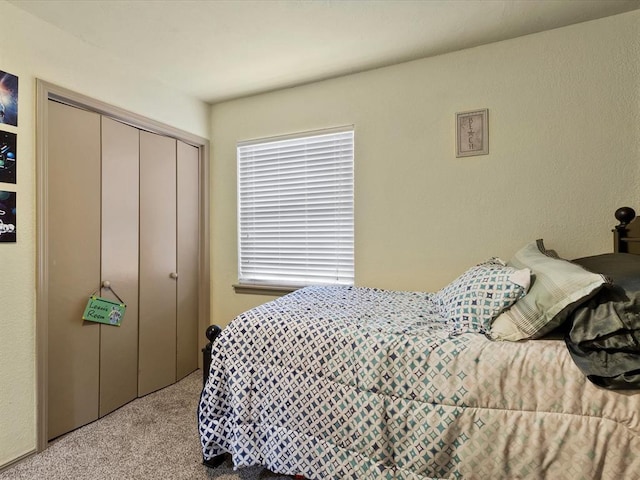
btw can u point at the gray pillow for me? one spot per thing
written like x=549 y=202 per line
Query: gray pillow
x=604 y=339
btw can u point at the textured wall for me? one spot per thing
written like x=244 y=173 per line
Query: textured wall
x=564 y=110
x=33 y=49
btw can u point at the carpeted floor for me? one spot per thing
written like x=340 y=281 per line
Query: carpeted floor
x=154 y=437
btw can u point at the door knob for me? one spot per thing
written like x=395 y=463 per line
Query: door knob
x=173 y=275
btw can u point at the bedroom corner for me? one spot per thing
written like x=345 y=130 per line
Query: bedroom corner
x=34 y=49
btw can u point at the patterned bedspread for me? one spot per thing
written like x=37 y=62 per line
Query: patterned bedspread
x=358 y=383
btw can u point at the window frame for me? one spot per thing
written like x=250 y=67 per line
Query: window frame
x=280 y=287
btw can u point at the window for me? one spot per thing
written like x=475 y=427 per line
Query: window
x=295 y=209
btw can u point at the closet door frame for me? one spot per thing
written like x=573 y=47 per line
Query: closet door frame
x=46 y=91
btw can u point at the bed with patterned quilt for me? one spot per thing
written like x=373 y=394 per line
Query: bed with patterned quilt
x=520 y=369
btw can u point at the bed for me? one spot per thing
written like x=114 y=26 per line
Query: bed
x=508 y=372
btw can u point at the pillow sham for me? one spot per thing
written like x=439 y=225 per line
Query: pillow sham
x=604 y=339
x=558 y=287
x=477 y=296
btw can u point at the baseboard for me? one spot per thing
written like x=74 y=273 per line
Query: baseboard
x=11 y=463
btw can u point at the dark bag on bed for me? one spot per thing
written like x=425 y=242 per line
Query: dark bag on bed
x=604 y=338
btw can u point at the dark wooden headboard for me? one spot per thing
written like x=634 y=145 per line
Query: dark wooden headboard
x=626 y=235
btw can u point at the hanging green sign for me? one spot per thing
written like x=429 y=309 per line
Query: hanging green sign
x=103 y=310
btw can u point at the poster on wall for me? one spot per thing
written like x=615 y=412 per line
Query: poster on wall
x=8 y=157
x=8 y=99
x=7 y=216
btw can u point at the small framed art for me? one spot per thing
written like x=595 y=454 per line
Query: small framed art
x=472 y=133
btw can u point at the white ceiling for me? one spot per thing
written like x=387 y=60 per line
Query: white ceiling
x=221 y=49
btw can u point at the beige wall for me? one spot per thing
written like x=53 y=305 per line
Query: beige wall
x=33 y=49
x=565 y=147
x=564 y=110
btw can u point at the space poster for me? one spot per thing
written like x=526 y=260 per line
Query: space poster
x=7 y=216
x=8 y=99
x=8 y=157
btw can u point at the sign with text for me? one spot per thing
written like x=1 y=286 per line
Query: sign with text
x=103 y=310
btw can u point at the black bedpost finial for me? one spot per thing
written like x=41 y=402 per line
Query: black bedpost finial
x=624 y=215
x=212 y=332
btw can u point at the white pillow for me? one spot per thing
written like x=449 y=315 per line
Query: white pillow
x=558 y=287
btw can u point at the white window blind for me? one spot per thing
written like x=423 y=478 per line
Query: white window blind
x=296 y=209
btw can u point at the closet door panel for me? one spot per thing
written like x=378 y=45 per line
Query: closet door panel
x=188 y=235
x=119 y=345
x=157 y=342
x=73 y=216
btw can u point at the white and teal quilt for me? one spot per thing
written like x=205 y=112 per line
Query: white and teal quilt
x=359 y=383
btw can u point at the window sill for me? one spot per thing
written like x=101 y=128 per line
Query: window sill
x=271 y=290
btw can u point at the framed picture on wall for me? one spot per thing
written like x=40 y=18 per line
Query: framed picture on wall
x=7 y=216
x=472 y=133
x=8 y=157
x=8 y=99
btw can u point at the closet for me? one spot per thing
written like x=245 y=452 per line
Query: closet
x=123 y=212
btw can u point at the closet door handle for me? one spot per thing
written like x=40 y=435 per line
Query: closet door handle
x=173 y=275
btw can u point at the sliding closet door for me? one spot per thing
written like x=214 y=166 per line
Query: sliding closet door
x=158 y=272
x=119 y=345
x=188 y=235
x=73 y=197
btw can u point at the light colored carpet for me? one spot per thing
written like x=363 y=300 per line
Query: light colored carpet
x=154 y=437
